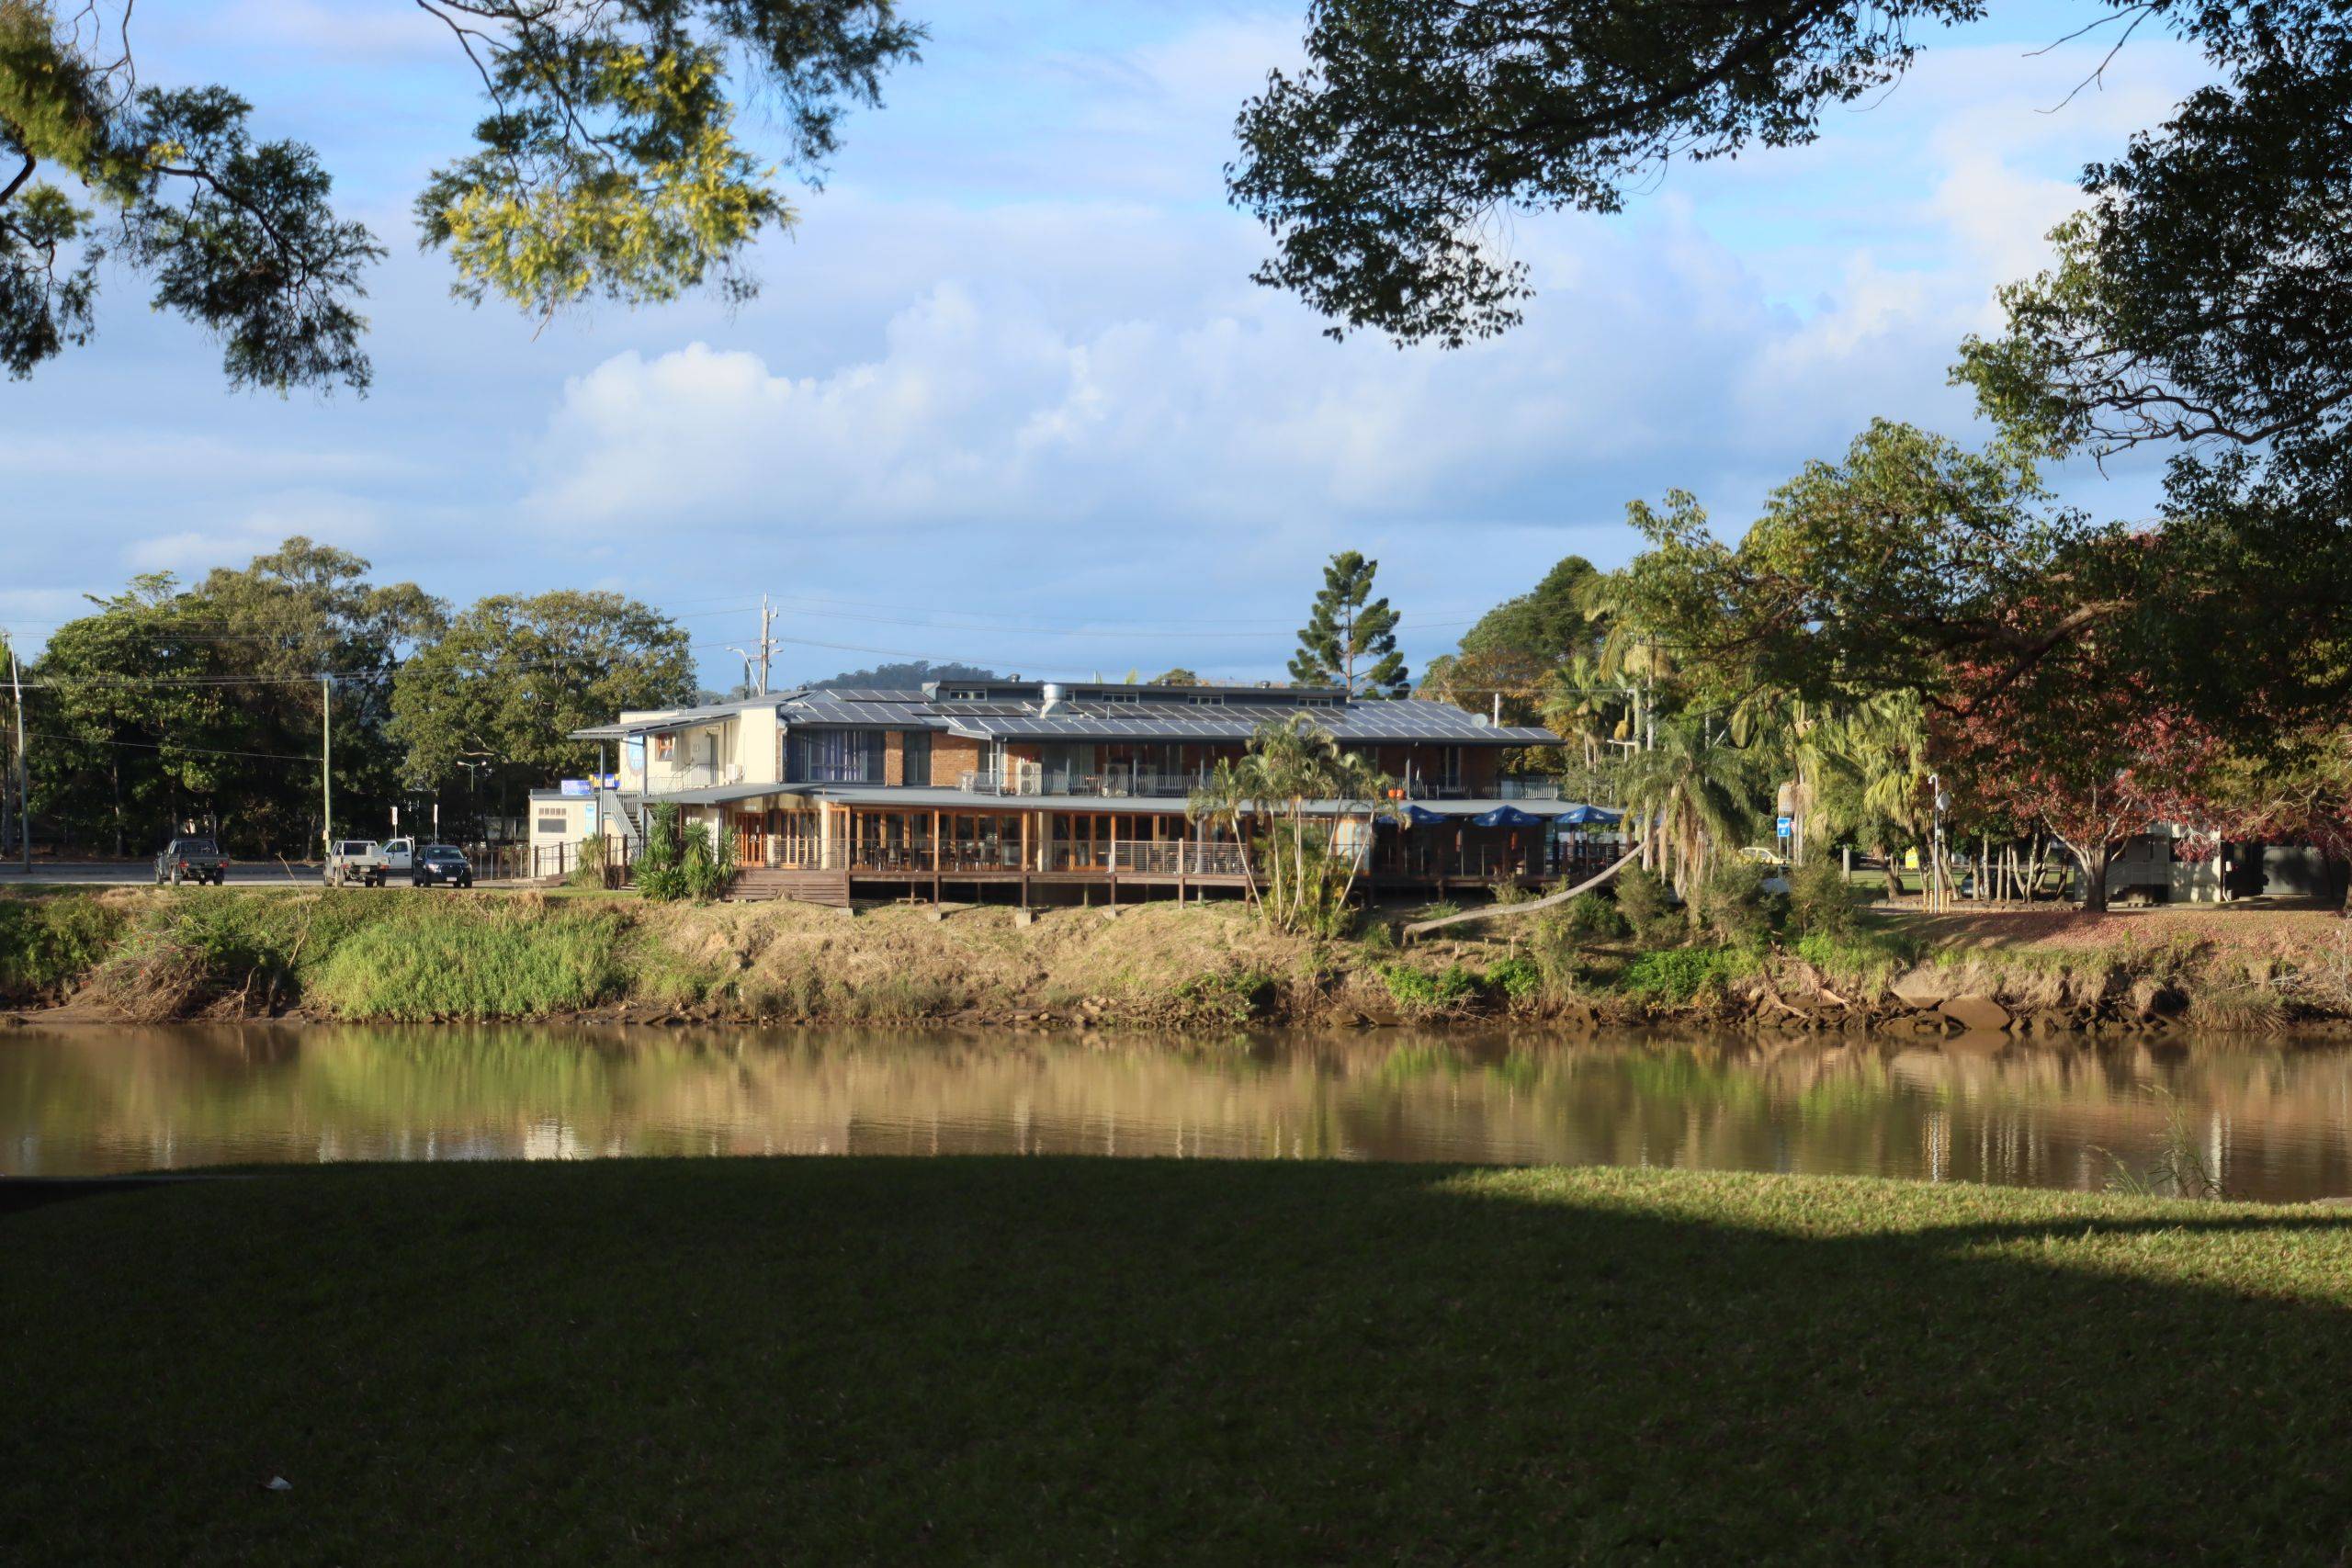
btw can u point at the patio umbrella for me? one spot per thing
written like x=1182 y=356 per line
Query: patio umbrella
x=1586 y=815
x=1422 y=817
x=1506 y=816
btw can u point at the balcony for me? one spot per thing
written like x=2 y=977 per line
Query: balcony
x=669 y=778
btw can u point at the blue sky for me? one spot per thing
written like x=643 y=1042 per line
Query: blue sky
x=1007 y=394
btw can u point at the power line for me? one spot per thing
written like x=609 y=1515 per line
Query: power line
x=153 y=746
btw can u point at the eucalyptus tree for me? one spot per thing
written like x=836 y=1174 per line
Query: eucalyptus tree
x=608 y=165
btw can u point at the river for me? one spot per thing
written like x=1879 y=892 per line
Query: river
x=2267 y=1120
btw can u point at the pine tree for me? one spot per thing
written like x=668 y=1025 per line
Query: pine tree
x=1350 y=638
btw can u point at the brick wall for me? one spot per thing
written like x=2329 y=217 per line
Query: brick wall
x=951 y=756
x=894 y=757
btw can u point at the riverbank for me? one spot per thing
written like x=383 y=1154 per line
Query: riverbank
x=1064 y=1361
x=395 y=956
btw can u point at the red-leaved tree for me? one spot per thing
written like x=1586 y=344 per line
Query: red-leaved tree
x=2095 y=756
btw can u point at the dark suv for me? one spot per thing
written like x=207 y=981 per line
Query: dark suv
x=440 y=862
x=191 y=859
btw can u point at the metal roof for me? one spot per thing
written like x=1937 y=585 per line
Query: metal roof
x=1159 y=712
x=1358 y=723
x=718 y=794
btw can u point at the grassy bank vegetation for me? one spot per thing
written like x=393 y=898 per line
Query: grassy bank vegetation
x=1735 y=952
x=855 y=1360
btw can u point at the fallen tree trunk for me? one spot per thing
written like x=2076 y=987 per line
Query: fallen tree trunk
x=1548 y=901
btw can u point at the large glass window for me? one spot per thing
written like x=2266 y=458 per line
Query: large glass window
x=915 y=746
x=834 y=756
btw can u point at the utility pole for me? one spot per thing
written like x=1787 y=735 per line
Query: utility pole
x=766 y=647
x=24 y=791
x=327 y=767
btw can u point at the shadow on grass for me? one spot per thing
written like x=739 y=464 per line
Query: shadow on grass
x=1044 y=1360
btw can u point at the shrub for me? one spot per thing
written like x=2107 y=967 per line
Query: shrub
x=705 y=870
x=658 y=874
x=48 y=945
x=1451 y=988
x=1732 y=904
x=1820 y=899
x=1593 y=916
x=1648 y=905
x=1519 y=977
x=1680 y=974
x=1233 y=997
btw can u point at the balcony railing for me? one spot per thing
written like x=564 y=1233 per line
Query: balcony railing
x=1012 y=778
x=1182 y=859
x=668 y=778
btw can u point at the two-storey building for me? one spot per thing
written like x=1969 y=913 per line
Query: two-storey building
x=1031 y=790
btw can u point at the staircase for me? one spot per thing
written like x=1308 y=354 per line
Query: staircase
x=614 y=806
x=757 y=883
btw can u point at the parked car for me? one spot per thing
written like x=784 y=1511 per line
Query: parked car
x=441 y=863
x=191 y=859
x=368 y=863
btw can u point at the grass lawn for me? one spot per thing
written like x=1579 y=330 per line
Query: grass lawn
x=1046 y=1360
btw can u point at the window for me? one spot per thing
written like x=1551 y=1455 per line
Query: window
x=834 y=756
x=665 y=748
x=915 y=746
x=1213 y=700
x=1116 y=697
x=965 y=695
x=554 y=827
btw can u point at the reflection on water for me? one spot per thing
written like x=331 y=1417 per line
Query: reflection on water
x=2273 y=1121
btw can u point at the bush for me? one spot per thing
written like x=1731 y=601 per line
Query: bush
x=1448 y=990
x=1680 y=974
x=1594 y=917
x=1519 y=977
x=1732 y=904
x=705 y=872
x=1647 y=906
x=658 y=874
x=1231 y=996
x=48 y=945
x=1821 y=902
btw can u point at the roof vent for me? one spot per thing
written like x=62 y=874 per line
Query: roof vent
x=1053 y=694
x=1482 y=721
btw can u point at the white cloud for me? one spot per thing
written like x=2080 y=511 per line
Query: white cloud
x=327 y=518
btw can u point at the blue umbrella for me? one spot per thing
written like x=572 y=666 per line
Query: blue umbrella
x=1422 y=817
x=1506 y=816
x=1586 y=815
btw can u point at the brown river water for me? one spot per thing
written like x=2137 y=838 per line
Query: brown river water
x=2261 y=1120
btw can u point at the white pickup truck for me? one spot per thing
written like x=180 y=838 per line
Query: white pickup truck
x=368 y=863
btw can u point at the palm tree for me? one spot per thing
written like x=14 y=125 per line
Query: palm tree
x=1577 y=702
x=1876 y=757
x=1231 y=793
x=1694 y=788
x=1291 y=766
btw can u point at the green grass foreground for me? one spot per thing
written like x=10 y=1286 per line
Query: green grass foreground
x=1053 y=1360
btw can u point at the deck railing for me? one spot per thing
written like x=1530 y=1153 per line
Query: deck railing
x=1012 y=778
x=668 y=778
x=1180 y=859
